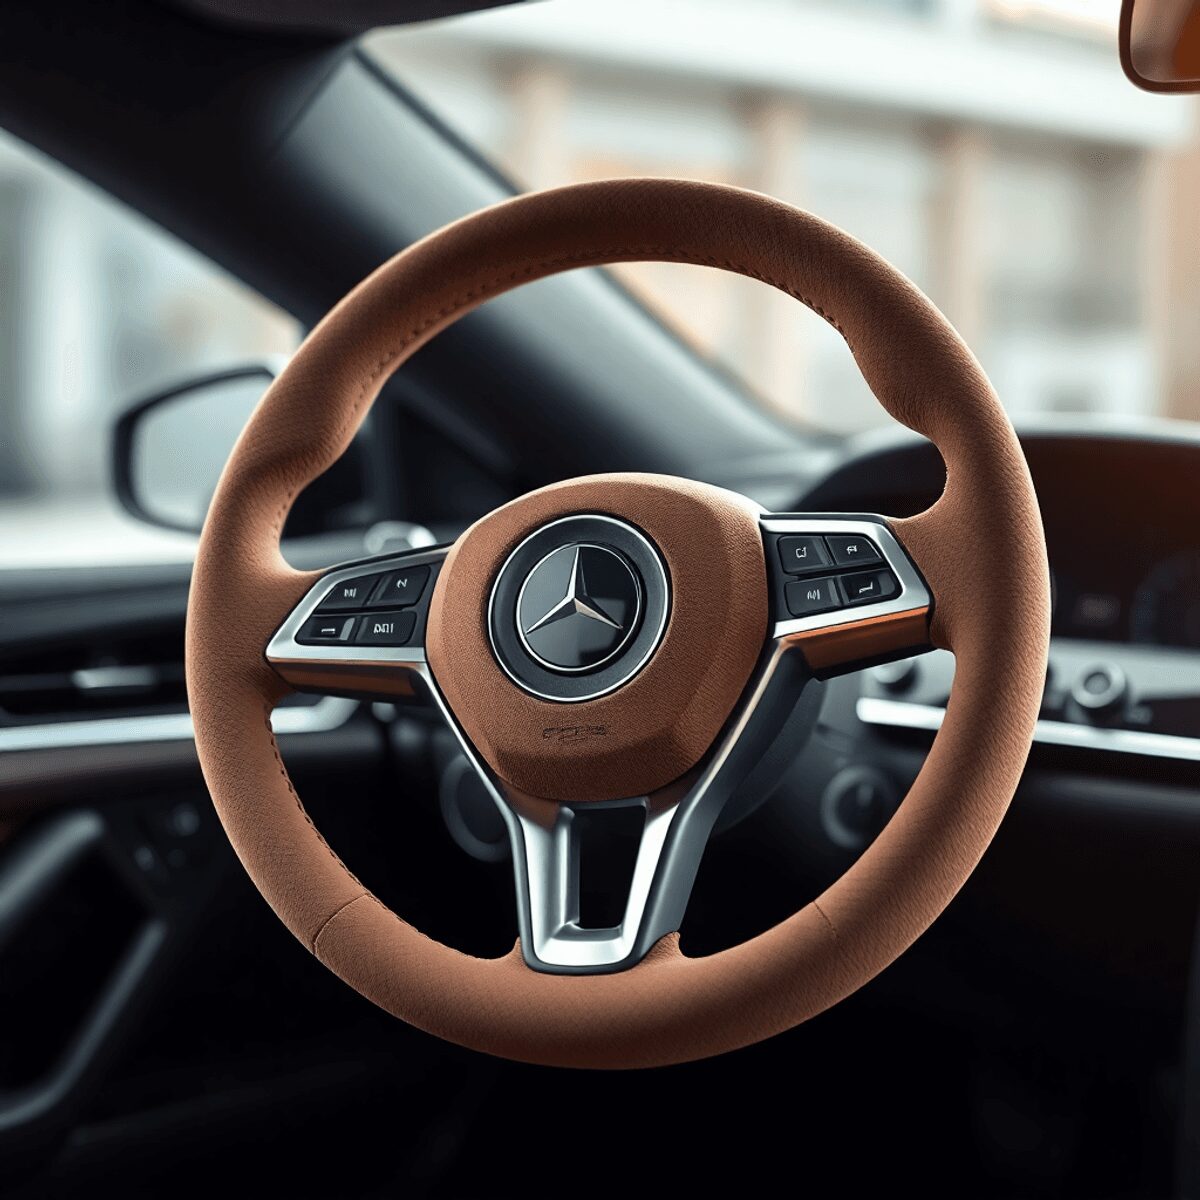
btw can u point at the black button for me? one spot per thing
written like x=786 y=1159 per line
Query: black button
x=800 y=555
x=869 y=586
x=850 y=551
x=401 y=587
x=386 y=629
x=350 y=593
x=316 y=630
x=808 y=596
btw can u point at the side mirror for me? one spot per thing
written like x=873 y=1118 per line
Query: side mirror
x=169 y=450
x=1160 y=44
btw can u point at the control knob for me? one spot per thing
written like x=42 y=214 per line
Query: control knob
x=896 y=676
x=1100 y=689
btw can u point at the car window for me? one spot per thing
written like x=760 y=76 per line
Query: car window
x=99 y=309
x=992 y=149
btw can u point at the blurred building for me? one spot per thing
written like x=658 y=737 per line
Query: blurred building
x=992 y=149
x=99 y=308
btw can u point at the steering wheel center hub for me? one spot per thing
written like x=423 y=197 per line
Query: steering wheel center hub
x=592 y=638
x=578 y=608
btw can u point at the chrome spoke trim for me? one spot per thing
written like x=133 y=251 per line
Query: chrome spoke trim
x=676 y=827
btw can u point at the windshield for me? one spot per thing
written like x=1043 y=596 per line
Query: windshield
x=992 y=149
x=100 y=308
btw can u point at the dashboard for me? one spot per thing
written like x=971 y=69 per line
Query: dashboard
x=1124 y=544
x=1124 y=547
x=1044 y=939
x=1122 y=531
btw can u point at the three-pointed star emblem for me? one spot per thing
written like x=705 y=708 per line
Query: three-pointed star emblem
x=575 y=602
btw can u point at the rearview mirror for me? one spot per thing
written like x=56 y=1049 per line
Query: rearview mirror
x=170 y=449
x=1160 y=44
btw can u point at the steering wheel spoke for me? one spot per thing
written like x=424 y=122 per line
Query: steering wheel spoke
x=549 y=839
x=360 y=629
x=844 y=591
x=549 y=851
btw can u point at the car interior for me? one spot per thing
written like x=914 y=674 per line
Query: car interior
x=704 y=730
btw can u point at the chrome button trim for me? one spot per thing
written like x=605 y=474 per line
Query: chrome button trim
x=283 y=647
x=912 y=594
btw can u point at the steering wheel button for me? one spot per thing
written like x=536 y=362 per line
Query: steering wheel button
x=800 y=555
x=400 y=588
x=317 y=630
x=867 y=587
x=387 y=628
x=849 y=551
x=350 y=593
x=806 y=597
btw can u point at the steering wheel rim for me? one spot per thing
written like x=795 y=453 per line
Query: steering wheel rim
x=668 y=1008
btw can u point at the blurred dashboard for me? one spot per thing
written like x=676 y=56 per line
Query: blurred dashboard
x=1120 y=511
x=1122 y=520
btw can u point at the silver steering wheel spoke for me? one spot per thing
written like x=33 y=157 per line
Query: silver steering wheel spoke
x=546 y=837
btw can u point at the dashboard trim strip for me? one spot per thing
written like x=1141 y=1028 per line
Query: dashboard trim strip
x=328 y=714
x=904 y=714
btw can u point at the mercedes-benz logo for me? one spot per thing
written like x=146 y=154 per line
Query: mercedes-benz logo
x=578 y=607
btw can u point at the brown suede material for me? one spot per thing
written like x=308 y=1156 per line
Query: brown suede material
x=980 y=547
x=657 y=726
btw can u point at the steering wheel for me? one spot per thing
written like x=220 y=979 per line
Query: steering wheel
x=623 y=641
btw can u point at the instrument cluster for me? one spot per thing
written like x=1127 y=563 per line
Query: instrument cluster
x=1155 y=601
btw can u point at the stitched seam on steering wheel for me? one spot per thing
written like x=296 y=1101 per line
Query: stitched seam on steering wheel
x=487 y=290
x=281 y=515
x=300 y=804
x=368 y=896
x=341 y=908
x=825 y=917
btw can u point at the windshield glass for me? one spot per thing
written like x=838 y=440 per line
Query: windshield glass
x=992 y=149
x=100 y=308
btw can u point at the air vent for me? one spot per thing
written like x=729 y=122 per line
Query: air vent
x=126 y=677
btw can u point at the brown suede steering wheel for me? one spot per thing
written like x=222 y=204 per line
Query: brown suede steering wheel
x=972 y=575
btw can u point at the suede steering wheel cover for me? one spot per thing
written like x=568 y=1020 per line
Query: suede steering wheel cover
x=980 y=547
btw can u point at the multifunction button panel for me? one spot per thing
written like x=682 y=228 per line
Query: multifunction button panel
x=829 y=571
x=383 y=609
